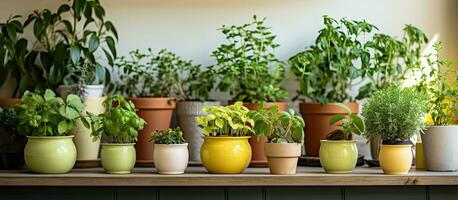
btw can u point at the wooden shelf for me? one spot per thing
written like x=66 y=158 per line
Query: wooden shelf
x=197 y=176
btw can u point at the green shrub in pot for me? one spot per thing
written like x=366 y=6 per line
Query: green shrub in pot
x=395 y=114
x=118 y=127
x=11 y=143
x=47 y=121
x=284 y=132
x=170 y=151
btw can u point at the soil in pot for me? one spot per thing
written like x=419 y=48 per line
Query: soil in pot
x=396 y=158
x=440 y=146
x=117 y=158
x=316 y=117
x=282 y=158
x=338 y=156
x=157 y=112
x=171 y=158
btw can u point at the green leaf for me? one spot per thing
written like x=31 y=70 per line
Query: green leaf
x=111 y=45
x=63 y=8
x=62 y=127
x=100 y=71
x=71 y=113
x=336 y=118
x=94 y=43
x=358 y=123
x=343 y=106
x=11 y=30
x=75 y=53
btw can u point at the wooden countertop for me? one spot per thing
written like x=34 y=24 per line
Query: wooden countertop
x=197 y=176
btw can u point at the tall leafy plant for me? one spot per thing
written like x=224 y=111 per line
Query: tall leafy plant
x=248 y=68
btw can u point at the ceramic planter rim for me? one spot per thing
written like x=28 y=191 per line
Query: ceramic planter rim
x=283 y=143
x=183 y=144
x=339 y=141
x=397 y=145
x=439 y=126
x=51 y=137
x=117 y=144
x=228 y=137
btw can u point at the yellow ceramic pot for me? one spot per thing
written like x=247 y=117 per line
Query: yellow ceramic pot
x=420 y=163
x=396 y=159
x=117 y=158
x=338 y=156
x=225 y=155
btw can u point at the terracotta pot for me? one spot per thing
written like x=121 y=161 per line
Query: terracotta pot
x=316 y=117
x=5 y=102
x=157 y=112
x=258 y=158
x=282 y=157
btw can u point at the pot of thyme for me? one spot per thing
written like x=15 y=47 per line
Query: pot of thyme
x=339 y=153
x=11 y=143
x=150 y=81
x=441 y=135
x=284 y=132
x=118 y=127
x=327 y=71
x=251 y=72
x=226 y=130
x=170 y=151
x=47 y=121
x=395 y=114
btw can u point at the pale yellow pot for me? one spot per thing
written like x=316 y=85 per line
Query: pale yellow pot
x=395 y=159
x=338 y=156
x=50 y=155
x=282 y=157
x=117 y=158
x=226 y=155
x=170 y=158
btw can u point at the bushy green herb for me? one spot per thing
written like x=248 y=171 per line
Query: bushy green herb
x=277 y=126
x=9 y=117
x=248 y=68
x=395 y=113
x=353 y=124
x=48 y=115
x=119 y=124
x=232 y=120
x=169 y=136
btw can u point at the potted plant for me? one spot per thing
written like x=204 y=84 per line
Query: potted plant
x=47 y=121
x=326 y=72
x=118 y=127
x=251 y=72
x=284 y=132
x=149 y=80
x=338 y=153
x=440 y=138
x=395 y=114
x=226 y=132
x=11 y=143
x=170 y=151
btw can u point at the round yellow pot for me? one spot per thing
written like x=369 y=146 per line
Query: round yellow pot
x=225 y=155
x=50 y=155
x=338 y=156
x=117 y=158
x=395 y=159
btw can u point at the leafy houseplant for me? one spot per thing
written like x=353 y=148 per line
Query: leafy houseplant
x=170 y=151
x=11 y=143
x=395 y=114
x=47 y=121
x=284 y=132
x=119 y=127
x=226 y=131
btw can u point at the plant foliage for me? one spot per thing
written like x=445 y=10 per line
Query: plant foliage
x=169 y=136
x=9 y=117
x=353 y=124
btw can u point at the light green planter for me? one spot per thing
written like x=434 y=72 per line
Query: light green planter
x=338 y=156
x=118 y=158
x=50 y=155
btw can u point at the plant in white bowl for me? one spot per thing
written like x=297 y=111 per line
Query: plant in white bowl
x=170 y=153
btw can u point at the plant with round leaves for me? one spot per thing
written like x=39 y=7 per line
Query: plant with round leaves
x=277 y=126
x=395 y=114
x=48 y=115
x=119 y=124
x=353 y=124
x=169 y=136
x=233 y=120
x=248 y=68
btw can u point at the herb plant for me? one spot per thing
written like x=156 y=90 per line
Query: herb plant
x=248 y=68
x=395 y=114
x=353 y=124
x=233 y=120
x=169 y=136
x=48 y=115
x=277 y=126
x=119 y=124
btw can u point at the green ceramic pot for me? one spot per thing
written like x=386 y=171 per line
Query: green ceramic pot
x=118 y=158
x=338 y=156
x=50 y=155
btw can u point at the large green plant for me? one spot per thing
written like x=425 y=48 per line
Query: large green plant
x=119 y=124
x=277 y=126
x=232 y=120
x=48 y=115
x=249 y=69
x=169 y=136
x=395 y=114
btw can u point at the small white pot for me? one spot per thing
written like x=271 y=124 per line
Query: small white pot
x=92 y=91
x=170 y=158
x=440 y=146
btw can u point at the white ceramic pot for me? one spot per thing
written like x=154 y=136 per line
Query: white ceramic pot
x=170 y=158
x=92 y=91
x=440 y=146
x=186 y=112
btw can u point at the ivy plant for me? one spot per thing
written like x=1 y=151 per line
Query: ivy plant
x=248 y=68
x=48 y=115
x=233 y=120
x=119 y=124
x=277 y=126
x=169 y=136
x=353 y=124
